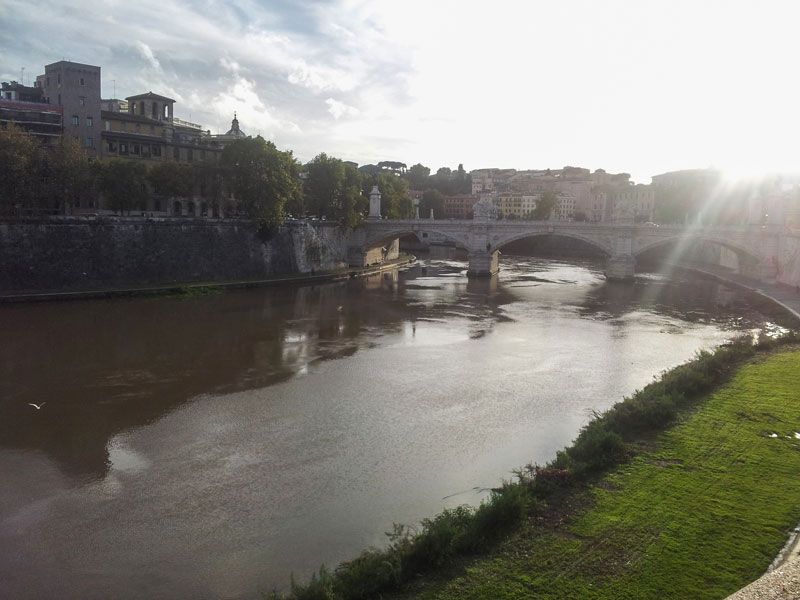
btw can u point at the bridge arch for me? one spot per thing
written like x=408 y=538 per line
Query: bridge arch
x=597 y=245
x=739 y=249
x=382 y=237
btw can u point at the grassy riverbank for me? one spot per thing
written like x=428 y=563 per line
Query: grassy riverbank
x=656 y=498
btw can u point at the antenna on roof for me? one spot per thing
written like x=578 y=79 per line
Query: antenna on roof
x=22 y=75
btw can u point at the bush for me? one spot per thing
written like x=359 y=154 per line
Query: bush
x=505 y=508
x=596 y=449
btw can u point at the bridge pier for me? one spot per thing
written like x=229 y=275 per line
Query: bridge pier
x=483 y=263
x=621 y=268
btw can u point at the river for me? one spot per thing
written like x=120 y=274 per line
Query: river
x=207 y=447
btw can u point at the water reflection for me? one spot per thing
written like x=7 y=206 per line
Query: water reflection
x=270 y=430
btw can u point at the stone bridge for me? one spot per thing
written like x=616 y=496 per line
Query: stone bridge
x=483 y=239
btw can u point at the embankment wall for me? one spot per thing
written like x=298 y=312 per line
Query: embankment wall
x=78 y=253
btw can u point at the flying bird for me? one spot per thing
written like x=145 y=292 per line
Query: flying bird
x=37 y=406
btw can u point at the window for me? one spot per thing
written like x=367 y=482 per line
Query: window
x=157 y=205
x=59 y=99
x=123 y=148
x=89 y=142
x=134 y=148
x=124 y=126
x=156 y=150
x=107 y=125
x=82 y=82
x=176 y=153
x=112 y=146
x=59 y=78
x=138 y=127
x=190 y=155
x=82 y=100
x=89 y=122
x=76 y=120
x=47 y=81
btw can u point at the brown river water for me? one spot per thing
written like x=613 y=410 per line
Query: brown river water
x=208 y=447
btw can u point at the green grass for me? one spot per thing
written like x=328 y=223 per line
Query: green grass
x=698 y=511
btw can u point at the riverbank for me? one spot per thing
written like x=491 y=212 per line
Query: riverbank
x=201 y=288
x=685 y=490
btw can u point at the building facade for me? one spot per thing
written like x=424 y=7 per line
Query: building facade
x=25 y=107
x=459 y=206
x=75 y=88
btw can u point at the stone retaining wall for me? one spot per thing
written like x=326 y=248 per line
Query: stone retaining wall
x=66 y=253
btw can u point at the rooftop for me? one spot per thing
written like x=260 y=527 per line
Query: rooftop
x=150 y=96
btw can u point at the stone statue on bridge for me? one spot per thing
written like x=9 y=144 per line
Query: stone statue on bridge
x=484 y=210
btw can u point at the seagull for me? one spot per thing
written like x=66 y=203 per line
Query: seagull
x=37 y=406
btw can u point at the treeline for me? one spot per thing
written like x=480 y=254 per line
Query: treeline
x=251 y=178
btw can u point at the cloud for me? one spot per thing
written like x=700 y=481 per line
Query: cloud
x=147 y=54
x=524 y=85
x=340 y=109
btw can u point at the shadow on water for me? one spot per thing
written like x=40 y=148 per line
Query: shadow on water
x=679 y=296
x=104 y=367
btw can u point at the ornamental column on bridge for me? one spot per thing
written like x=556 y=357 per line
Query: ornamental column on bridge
x=374 y=204
x=484 y=259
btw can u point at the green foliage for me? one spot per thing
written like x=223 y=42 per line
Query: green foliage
x=432 y=200
x=395 y=202
x=545 y=206
x=456 y=531
x=333 y=190
x=18 y=161
x=392 y=166
x=417 y=176
x=122 y=183
x=595 y=450
x=69 y=177
x=172 y=179
x=38 y=177
x=263 y=179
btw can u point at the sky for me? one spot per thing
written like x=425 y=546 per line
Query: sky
x=637 y=86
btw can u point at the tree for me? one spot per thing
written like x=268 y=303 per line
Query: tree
x=544 y=207
x=417 y=176
x=395 y=203
x=372 y=170
x=392 y=165
x=18 y=163
x=123 y=184
x=462 y=181
x=207 y=178
x=324 y=185
x=172 y=179
x=432 y=200
x=263 y=179
x=333 y=189
x=354 y=202
x=63 y=175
